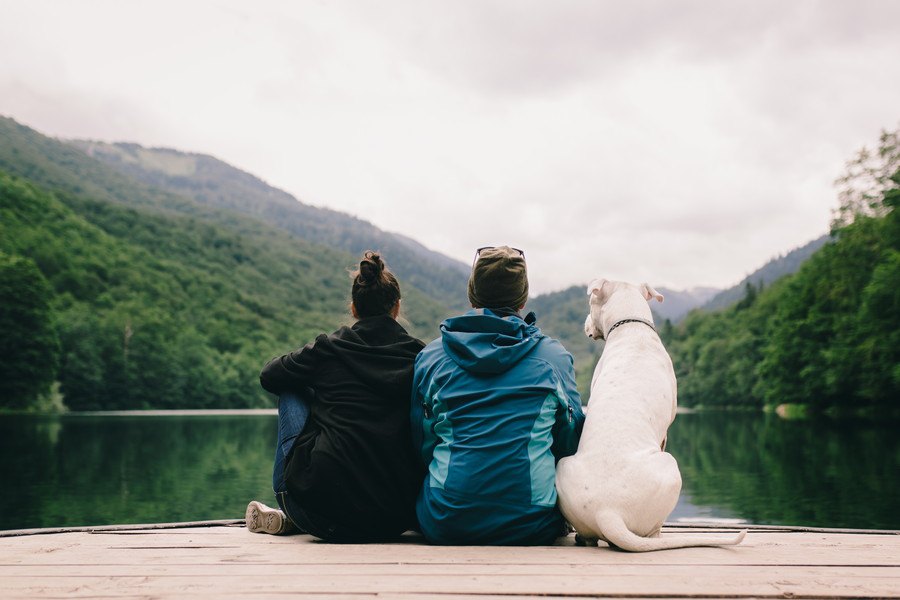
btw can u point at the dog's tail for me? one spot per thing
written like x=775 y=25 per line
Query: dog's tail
x=615 y=531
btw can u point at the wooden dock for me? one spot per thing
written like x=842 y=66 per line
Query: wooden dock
x=230 y=562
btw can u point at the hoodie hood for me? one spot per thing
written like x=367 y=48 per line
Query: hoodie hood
x=378 y=351
x=482 y=341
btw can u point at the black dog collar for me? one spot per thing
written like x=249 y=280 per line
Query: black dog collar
x=623 y=321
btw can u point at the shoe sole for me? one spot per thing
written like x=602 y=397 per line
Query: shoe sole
x=262 y=519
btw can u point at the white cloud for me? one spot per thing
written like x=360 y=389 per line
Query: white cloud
x=680 y=143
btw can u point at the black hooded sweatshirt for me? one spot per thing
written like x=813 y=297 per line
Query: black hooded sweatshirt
x=354 y=462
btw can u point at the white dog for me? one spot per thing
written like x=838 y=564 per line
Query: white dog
x=621 y=485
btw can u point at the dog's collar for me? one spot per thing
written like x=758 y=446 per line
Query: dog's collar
x=632 y=320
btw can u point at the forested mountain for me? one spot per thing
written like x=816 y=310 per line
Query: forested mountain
x=141 y=280
x=59 y=166
x=212 y=182
x=828 y=336
x=150 y=299
x=770 y=272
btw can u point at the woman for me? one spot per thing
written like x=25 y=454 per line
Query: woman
x=344 y=465
x=495 y=406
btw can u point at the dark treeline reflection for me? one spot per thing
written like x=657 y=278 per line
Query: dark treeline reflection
x=77 y=470
x=101 y=470
x=768 y=470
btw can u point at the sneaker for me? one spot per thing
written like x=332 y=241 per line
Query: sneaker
x=264 y=519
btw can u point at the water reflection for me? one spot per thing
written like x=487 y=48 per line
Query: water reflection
x=99 y=470
x=74 y=471
x=767 y=470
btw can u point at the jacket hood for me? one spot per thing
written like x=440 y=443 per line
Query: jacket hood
x=482 y=341
x=378 y=351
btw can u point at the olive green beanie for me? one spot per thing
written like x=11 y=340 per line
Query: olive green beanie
x=499 y=279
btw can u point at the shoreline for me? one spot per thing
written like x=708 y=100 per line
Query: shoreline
x=153 y=412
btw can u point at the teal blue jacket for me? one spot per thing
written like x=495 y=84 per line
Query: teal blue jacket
x=494 y=407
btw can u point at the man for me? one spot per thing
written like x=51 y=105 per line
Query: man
x=494 y=406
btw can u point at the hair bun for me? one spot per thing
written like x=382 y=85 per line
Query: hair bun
x=370 y=267
x=375 y=290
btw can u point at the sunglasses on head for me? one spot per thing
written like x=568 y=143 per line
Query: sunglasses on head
x=483 y=248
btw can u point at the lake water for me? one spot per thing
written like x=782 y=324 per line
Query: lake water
x=97 y=470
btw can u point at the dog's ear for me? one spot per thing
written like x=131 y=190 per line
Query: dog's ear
x=595 y=288
x=650 y=293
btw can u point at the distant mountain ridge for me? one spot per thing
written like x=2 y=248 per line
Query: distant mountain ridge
x=68 y=171
x=679 y=303
x=212 y=182
x=770 y=272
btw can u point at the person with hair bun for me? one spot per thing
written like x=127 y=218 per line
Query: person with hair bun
x=345 y=470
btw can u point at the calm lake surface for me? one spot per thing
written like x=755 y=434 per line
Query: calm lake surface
x=98 y=470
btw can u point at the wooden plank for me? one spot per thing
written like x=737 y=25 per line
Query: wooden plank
x=231 y=562
x=238 y=545
x=405 y=570
x=665 y=581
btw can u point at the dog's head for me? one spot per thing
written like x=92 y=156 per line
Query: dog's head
x=600 y=291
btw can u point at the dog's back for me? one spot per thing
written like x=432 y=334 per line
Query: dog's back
x=621 y=485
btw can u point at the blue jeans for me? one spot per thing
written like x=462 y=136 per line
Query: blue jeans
x=293 y=413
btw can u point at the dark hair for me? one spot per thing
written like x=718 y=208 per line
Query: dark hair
x=375 y=289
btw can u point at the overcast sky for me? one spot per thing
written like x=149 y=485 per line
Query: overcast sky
x=680 y=143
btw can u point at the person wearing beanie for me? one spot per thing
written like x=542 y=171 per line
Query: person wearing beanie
x=494 y=407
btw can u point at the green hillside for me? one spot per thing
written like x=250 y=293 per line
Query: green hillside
x=211 y=182
x=63 y=168
x=826 y=337
x=131 y=297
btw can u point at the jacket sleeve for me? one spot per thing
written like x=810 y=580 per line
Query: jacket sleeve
x=290 y=371
x=570 y=415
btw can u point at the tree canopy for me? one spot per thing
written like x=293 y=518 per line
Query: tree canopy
x=827 y=337
x=29 y=346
